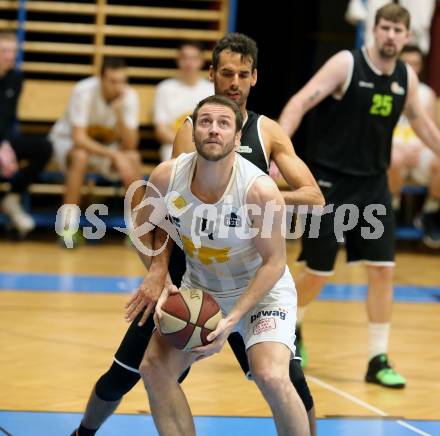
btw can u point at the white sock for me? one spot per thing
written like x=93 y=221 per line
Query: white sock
x=300 y=312
x=431 y=205
x=70 y=216
x=378 y=334
x=396 y=202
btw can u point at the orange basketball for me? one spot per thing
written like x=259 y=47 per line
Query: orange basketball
x=188 y=317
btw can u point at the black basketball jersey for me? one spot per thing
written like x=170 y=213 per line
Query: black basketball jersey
x=353 y=134
x=252 y=146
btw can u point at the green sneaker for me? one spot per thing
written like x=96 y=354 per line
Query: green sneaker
x=380 y=372
x=300 y=348
x=71 y=239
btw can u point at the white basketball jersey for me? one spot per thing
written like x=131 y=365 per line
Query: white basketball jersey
x=220 y=253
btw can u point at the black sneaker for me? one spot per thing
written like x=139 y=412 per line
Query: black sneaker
x=430 y=223
x=381 y=373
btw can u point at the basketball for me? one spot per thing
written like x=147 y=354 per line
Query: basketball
x=188 y=317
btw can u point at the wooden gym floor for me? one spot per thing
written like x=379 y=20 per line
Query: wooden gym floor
x=61 y=319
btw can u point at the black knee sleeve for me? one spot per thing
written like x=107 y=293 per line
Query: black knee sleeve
x=184 y=375
x=299 y=381
x=115 y=383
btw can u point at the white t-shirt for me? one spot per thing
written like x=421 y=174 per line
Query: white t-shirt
x=87 y=108
x=175 y=100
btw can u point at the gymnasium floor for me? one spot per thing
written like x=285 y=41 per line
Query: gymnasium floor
x=61 y=319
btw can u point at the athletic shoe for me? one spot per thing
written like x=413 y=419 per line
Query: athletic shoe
x=430 y=224
x=380 y=372
x=20 y=220
x=300 y=348
x=71 y=239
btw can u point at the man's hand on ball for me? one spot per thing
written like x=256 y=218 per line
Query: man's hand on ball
x=166 y=292
x=146 y=296
x=217 y=339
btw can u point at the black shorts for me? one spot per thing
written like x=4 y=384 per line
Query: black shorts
x=361 y=216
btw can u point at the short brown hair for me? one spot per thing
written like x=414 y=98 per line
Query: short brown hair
x=8 y=34
x=112 y=63
x=395 y=13
x=222 y=101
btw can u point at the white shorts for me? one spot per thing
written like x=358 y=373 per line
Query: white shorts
x=273 y=319
x=99 y=164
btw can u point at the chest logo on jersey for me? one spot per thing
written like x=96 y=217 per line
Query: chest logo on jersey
x=232 y=219
x=179 y=202
x=244 y=149
x=206 y=255
x=397 y=89
x=364 y=84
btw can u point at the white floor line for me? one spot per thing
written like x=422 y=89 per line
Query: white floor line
x=363 y=404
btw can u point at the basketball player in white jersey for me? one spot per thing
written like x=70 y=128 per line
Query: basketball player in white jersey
x=247 y=276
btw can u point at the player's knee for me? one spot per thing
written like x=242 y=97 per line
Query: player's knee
x=270 y=379
x=397 y=162
x=134 y=156
x=152 y=370
x=78 y=157
x=381 y=274
x=314 y=281
x=299 y=382
x=115 y=383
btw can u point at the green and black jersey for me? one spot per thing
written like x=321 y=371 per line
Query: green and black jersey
x=353 y=134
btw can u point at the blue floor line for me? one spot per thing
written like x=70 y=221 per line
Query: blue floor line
x=57 y=424
x=71 y=283
x=123 y=284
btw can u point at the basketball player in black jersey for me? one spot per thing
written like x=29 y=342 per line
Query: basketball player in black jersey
x=234 y=72
x=361 y=94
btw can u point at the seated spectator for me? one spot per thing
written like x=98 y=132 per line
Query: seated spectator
x=99 y=132
x=176 y=98
x=410 y=158
x=21 y=157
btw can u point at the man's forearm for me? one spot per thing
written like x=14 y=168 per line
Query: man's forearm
x=154 y=242
x=430 y=135
x=163 y=245
x=129 y=137
x=92 y=146
x=291 y=116
x=307 y=195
